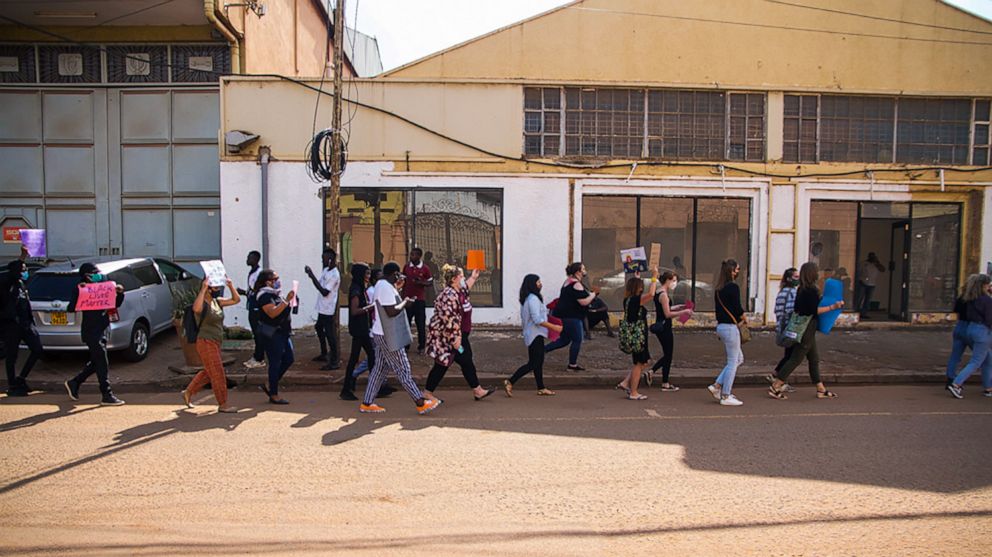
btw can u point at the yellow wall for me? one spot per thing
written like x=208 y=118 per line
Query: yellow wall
x=626 y=41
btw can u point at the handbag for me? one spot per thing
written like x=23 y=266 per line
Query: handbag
x=266 y=331
x=741 y=326
x=658 y=326
x=632 y=336
x=794 y=330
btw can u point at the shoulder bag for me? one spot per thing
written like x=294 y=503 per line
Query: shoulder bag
x=741 y=326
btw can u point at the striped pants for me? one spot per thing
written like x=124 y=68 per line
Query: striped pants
x=387 y=360
x=212 y=372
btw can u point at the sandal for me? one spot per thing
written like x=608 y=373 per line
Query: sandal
x=649 y=377
x=619 y=386
x=545 y=392
x=826 y=394
x=489 y=391
x=637 y=397
x=669 y=387
x=777 y=393
x=508 y=387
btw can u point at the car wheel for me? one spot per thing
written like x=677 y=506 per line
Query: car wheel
x=137 y=349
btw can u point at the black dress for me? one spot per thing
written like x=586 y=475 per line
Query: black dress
x=635 y=312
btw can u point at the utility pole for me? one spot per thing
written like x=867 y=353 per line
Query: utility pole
x=335 y=193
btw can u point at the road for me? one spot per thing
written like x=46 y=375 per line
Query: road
x=882 y=470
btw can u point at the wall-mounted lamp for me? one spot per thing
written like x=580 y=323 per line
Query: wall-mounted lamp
x=255 y=6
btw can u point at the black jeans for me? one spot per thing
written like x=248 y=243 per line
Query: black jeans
x=98 y=364
x=667 y=339
x=13 y=335
x=785 y=358
x=358 y=343
x=417 y=312
x=327 y=334
x=279 y=351
x=535 y=363
x=259 y=354
x=464 y=361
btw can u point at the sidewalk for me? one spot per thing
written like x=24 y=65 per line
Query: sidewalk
x=907 y=355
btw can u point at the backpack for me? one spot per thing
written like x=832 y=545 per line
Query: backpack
x=191 y=328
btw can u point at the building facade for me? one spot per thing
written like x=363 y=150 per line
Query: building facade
x=770 y=133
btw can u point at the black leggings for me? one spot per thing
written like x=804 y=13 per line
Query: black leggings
x=359 y=342
x=327 y=334
x=667 y=339
x=464 y=361
x=535 y=363
x=13 y=335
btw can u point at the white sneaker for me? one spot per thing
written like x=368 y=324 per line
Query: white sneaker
x=714 y=391
x=730 y=400
x=252 y=363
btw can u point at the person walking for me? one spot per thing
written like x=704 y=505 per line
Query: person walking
x=93 y=332
x=390 y=335
x=17 y=325
x=634 y=312
x=807 y=305
x=275 y=327
x=418 y=277
x=208 y=310
x=359 y=326
x=729 y=313
x=868 y=276
x=535 y=325
x=449 y=330
x=326 y=327
x=959 y=336
x=571 y=309
x=258 y=356
x=665 y=313
x=785 y=303
x=978 y=298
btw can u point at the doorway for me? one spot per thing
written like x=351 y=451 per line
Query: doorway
x=881 y=274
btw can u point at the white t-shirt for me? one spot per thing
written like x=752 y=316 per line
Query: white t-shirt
x=330 y=279
x=386 y=295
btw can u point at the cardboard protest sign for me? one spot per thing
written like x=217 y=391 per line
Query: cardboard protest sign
x=97 y=296
x=215 y=273
x=654 y=260
x=476 y=260
x=634 y=259
x=34 y=240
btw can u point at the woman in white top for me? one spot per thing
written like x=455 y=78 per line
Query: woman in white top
x=534 y=319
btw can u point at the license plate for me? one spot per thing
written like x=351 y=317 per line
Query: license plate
x=59 y=318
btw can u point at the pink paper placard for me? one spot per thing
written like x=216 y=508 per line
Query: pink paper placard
x=97 y=296
x=685 y=316
x=34 y=240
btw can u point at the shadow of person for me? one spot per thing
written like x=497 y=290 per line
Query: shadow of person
x=65 y=409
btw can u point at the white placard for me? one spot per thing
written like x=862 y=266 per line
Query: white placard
x=215 y=272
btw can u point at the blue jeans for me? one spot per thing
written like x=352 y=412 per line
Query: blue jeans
x=731 y=338
x=959 y=341
x=980 y=338
x=279 y=353
x=572 y=332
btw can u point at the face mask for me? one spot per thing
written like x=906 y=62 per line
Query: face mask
x=277 y=285
x=96 y=277
x=794 y=282
x=24 y=275
x=462 y=283
x=217 y=292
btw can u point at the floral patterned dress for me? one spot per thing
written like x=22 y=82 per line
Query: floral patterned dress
x=445 y=326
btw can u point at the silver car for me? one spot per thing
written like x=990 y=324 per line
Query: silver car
x=148 y=283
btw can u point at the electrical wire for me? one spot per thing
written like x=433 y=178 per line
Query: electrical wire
x=308 y=152
x=879 y=18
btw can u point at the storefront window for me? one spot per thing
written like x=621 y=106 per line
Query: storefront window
x=609 y=224
x=833 y=242
x=723 y=231
x=668 y=221
x=933 y=271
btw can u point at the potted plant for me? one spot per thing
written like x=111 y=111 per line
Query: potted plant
x=181 y=299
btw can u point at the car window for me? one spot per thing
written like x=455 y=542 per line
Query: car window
x=49 y=287
x=146 y=274
x=125 y=277
x=171 y=271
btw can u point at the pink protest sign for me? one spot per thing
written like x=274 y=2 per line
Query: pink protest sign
x=685 y=316
x=97 y=296
x=34 y=240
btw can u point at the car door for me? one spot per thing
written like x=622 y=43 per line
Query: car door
x=155 y=295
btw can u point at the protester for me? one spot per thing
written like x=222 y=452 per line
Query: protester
x=326 y=327
x=665 y=313
x=785 y=304
x=535 y=324
x=729 y=313
x=807 y=304
x=93 y=332
x=634 y=312
x=275 y=327
x=208 y=310
x=359 y=325
x=449 y=330
x=258 y=356
x=571 y=309
x=390 y=334
x=978 y=298
x=418 y=277
x=17 y=325
x=959 y=336
x=868 y=275
x=598 y=312
x=430 y=293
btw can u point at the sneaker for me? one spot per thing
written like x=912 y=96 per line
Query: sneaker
x=17 y=391
x=227 y=409
x=987 y=394
x=669 y=387
x=575 y=367
x=320 y=358
x=252 y=363
x=714 y=390
x=428 y=406
x=72 y=388
x=955 y=390
x=730 y=400
x=347 y=395
x=110 y=399
x=371 y=409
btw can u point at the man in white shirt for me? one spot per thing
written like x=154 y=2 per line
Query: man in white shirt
x=328 y=285
x=390 y=319
x=253 y=261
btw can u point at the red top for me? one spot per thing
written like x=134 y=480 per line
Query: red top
x=413 y=275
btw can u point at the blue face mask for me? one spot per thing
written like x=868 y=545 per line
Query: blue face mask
x=277 y=285
x=24 y=275
x=96 y=277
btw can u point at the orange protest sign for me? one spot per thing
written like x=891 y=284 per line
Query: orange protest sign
x=97 y=296
x=476 y=260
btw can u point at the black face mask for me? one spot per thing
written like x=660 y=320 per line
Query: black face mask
x=217 y=292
